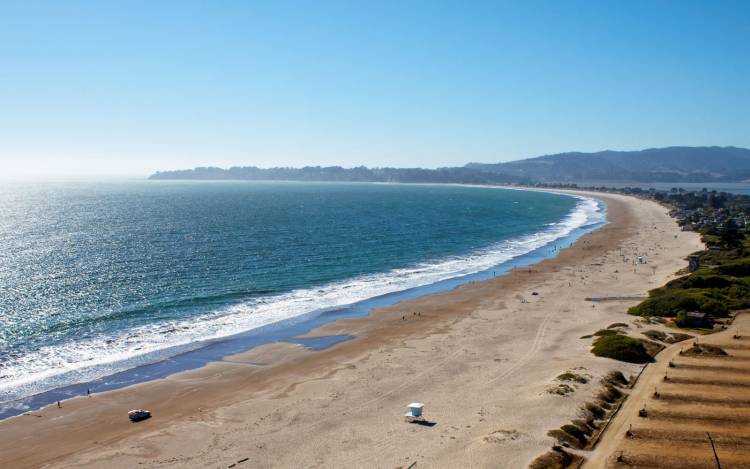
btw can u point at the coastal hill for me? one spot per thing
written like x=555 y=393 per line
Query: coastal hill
x=337 y=173
x=671 y=164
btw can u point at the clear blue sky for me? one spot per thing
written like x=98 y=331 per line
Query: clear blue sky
x=131 y=87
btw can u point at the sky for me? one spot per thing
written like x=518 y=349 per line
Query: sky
x=128 y=88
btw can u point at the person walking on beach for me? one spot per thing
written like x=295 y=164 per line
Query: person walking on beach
x=58 y=405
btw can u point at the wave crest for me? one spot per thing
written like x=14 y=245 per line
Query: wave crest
x=54 y=366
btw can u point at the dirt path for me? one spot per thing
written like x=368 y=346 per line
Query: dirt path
x=688 y=407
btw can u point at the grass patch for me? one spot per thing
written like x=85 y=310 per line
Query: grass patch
x=565 y=438
x=557 y=458
x=573 y=377
x=584 y=426
x=609 y=394
x=704 y=350
x=616 y=325
x=620 y=347
x=605 y=332
x=616 y=378
x=675 y=337
x=596 y=410
x=656 y=335
x=580 y=431
x=652 y=348
x=561 y=389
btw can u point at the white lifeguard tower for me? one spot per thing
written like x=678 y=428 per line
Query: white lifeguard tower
x=414 y=411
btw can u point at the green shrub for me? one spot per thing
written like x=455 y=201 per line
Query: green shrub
x=668 y=304
x=738 y=268
x=683 y=320
x=656 y=335
x=709 y=239
x=671 y=302
x=702 y=281
x=620 y=347
x=738 y=296
x=722 y=257
x=616 y=325
x=713 y=307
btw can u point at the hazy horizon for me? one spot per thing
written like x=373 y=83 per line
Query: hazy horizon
x=92 y=90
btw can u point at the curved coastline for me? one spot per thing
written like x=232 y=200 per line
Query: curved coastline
x=294 y=329
x=477 y=355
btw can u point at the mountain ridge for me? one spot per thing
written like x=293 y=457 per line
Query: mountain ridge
x=666 y=164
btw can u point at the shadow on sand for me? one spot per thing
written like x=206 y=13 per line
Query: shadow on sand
x=424 y=423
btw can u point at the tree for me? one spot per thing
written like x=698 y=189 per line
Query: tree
x=730 y=233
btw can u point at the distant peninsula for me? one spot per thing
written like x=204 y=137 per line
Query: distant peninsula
x=670 y=164
x=337 y=173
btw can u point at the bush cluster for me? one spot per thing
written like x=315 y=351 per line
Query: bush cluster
x=620 y=347
x=716 y=289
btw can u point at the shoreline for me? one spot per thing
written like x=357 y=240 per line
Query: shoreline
x=293 y=328
x=261 y=403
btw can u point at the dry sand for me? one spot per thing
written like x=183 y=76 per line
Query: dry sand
x=481 y=357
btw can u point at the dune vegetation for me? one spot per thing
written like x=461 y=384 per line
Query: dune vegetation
x=621 y=347
x=697 y=300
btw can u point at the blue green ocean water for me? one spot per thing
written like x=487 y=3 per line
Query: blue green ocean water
x=96 y=278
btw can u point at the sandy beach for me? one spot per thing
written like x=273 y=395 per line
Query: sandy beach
x=481 y=357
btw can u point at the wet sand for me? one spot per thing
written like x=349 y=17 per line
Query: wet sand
x=481 y=357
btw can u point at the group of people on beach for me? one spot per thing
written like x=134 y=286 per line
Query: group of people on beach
x=88 y=393
x=403 y=318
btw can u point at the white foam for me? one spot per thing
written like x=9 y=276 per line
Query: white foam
x=84 y=360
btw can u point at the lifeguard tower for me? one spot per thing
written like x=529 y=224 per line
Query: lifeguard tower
x=414 y=412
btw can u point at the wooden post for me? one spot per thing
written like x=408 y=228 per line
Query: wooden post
x=713 y=448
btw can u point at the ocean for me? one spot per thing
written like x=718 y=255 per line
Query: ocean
x=97 y=279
